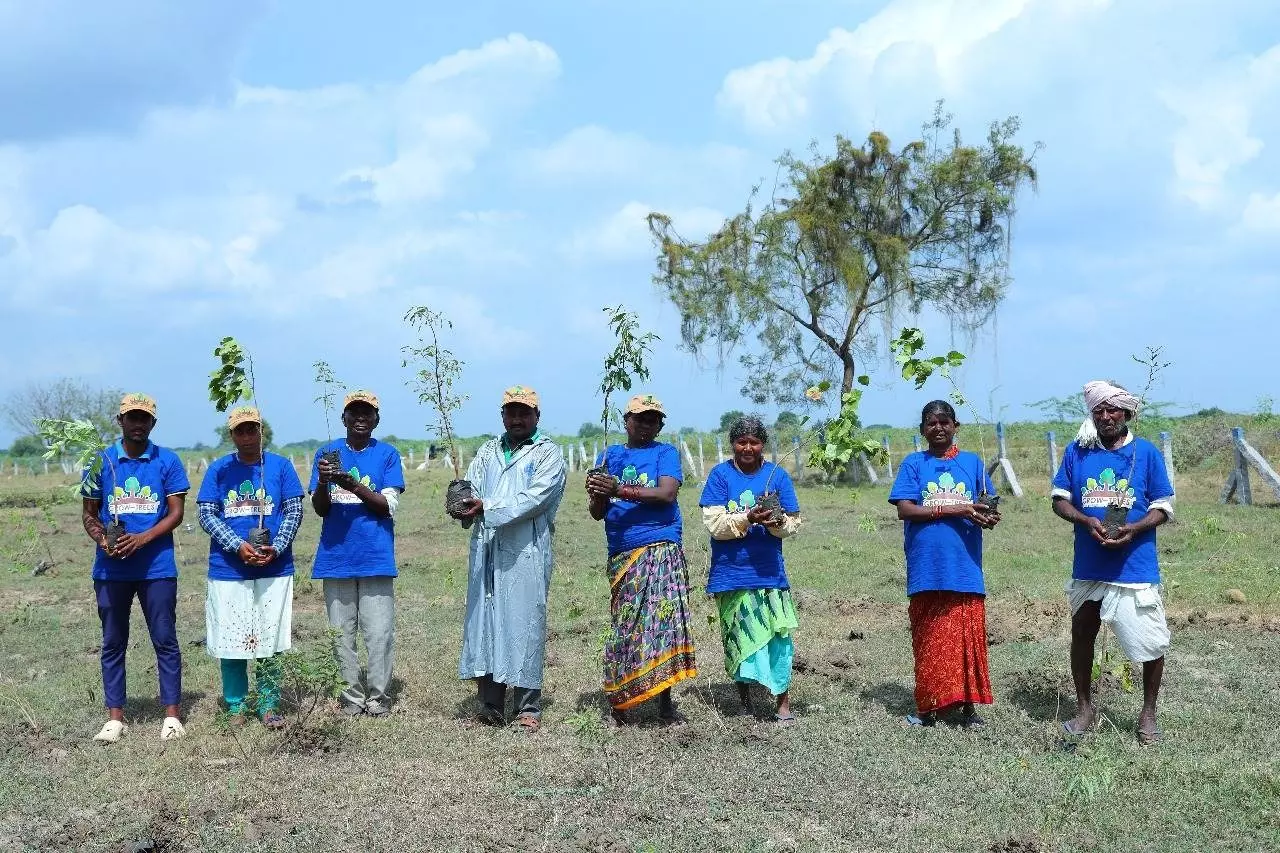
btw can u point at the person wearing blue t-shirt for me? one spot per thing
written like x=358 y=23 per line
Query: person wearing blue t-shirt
x=935 y=493
x=1115 y=576
x=650 y=648
x=146 y=489
x=356 y=558
x=249 y=603
x=748 y=577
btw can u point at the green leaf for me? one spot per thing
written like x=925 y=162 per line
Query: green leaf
x=864 y=380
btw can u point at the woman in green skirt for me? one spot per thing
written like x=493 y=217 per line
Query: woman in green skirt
x=748 y=576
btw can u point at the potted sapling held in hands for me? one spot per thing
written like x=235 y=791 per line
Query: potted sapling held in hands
x=434 y=385
x=330 y=388
x=625 y=364
x=82 y=440
x=1121 y=494
x=232 y=383
x=906 y=348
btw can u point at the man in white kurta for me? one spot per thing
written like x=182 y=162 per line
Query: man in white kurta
x=519 y=480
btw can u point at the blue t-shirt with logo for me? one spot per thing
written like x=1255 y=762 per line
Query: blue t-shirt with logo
x=755 y=561
x=1094 y=478
x=138 y=489
x=355 y=543
x=239 y=489
x=631 y=524
x=946 y=553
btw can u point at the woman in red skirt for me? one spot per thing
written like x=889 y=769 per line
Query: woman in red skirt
x=935 y=494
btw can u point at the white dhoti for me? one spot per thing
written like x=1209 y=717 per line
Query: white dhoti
x=1133 y=612
x=248 y=619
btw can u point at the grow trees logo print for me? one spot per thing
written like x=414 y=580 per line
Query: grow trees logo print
x=339 y=495
x=745 y=501
x=245 y=501
x=1106 y=490
x=945 y=492
x=133 y=498
x=632 y=477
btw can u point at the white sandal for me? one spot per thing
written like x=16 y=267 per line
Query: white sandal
x=171 y=729
x=111 y=732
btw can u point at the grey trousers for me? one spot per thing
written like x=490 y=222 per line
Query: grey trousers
x=493 y=695
x=367 y=605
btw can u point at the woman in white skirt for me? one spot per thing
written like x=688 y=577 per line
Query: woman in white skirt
x=249 y=609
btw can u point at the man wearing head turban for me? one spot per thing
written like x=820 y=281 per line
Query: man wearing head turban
x=1115 y=573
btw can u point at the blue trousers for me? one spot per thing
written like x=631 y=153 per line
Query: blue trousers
x=159 y=601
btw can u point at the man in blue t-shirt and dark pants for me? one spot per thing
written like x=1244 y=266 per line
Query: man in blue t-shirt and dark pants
x=1115 y=575
x=145 y=487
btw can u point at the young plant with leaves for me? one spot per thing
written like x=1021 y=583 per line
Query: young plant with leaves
x=232 y=383
x=1117 y=512
x=434 y=384
x=82 y=440
x=906 y=348
x=626 y=363
x=330 y=387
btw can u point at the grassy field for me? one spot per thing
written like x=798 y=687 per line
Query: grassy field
x=850 y=776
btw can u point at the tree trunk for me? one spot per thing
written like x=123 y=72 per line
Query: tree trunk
x=846 y=381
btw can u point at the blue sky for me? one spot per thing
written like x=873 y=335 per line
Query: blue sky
x=298 y=174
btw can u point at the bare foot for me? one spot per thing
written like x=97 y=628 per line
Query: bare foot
x=1148 y=729
x=1082 y=722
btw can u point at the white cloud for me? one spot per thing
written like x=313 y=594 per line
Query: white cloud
x=82 y=244
x=441 y=113
x=1219 y=131
x=904 y=42
x=593 y=154
x=1262 y=213
x=625 y=234
x=239 y=199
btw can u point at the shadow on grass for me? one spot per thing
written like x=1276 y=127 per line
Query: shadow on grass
x=1039 y=702
x=470 y=707
x=892 y=696
x=150 y=709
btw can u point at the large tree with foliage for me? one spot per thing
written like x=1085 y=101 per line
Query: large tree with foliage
x=843 y=242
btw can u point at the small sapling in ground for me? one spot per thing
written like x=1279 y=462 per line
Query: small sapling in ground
x=626 y=363
x=434 y=384
x=230 y=384
x=330 y=388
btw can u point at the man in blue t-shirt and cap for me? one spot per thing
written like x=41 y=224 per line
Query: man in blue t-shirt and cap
x=356 y=559
x=145 y=488
x=1115 y=574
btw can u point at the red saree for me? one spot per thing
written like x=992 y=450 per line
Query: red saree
x=949 y=639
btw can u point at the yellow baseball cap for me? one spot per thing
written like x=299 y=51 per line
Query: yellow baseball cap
x=137 y=402
x=360 y=397
x=243 y=415
x=644 y=403
x=521 y=394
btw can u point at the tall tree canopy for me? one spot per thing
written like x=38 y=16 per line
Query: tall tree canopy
x=842 y=241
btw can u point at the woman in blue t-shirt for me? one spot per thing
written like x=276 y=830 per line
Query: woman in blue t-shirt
x=748 y=577
x=942 y=530
x=650 y=649
x=249 y=603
